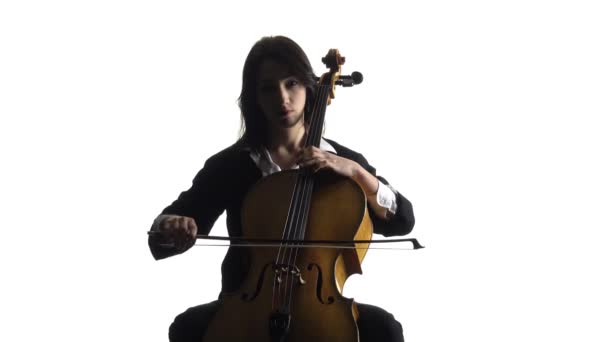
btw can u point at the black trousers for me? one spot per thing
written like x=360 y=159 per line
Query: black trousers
x=375 y=324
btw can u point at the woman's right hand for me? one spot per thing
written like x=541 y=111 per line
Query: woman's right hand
x=179 y=230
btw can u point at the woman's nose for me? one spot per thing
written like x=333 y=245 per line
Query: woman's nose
x=283 y=94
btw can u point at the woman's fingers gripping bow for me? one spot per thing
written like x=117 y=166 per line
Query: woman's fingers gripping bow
x=179 y=230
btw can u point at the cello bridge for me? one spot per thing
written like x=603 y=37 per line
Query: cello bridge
x=282 y=271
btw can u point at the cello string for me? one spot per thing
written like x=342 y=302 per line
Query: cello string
x=294 y=222
x=288 y=233
x=291 y=229
x=291 y=255
x=311 y=140
x=296 y=226
x=301 y=213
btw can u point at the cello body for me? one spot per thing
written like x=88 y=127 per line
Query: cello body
x=294 y=294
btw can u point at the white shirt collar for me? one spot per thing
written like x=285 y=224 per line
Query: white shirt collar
x=264 y=162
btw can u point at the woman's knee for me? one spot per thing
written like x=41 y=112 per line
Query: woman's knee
x=190 y=325
x=377 y=324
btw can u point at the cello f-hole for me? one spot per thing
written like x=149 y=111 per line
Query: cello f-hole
x=330 y=299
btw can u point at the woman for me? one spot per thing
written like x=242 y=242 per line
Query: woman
x=277 y=92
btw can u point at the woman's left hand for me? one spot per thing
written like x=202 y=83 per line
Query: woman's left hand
x=317 y=159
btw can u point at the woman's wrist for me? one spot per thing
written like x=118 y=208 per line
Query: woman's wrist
x=368 y=182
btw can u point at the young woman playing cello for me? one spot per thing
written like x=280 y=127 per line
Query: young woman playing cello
x=277 y=93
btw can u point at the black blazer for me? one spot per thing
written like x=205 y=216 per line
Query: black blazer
x=222 y=184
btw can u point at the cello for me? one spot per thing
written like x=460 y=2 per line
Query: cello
x=292 y=293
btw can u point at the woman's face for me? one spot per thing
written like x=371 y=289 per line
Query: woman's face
x=281 y=96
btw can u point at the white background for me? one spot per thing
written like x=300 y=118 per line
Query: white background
x=487 y=115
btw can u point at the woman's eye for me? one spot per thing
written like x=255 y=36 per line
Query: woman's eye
x=292 y=83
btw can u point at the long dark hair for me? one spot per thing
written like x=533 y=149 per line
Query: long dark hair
x=254 y=127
